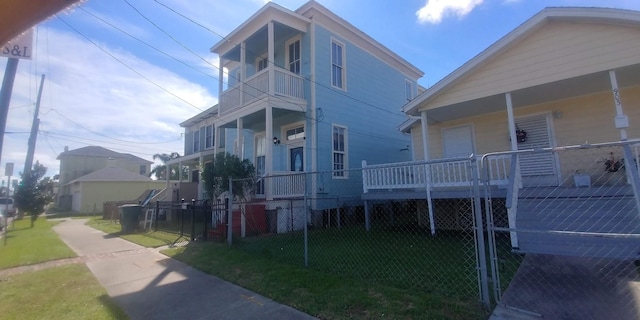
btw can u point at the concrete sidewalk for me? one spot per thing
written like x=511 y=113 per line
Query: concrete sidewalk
x=149 y=285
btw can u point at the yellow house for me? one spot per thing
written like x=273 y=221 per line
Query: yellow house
x=83 y=161
x=91 y=191
x=567 y=76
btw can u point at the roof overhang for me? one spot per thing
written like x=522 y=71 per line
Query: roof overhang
x=204 y=115
x=16 y=16
x=598 y=15
x=269 y=12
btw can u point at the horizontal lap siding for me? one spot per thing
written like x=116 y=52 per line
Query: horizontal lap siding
x=556 y=51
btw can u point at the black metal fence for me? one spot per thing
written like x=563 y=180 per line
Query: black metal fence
x=196 y=220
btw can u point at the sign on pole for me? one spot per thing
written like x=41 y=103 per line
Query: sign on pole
x=20 y=47
x=8 y=169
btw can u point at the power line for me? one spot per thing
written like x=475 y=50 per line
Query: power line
x=273 y=63
x=125 y=65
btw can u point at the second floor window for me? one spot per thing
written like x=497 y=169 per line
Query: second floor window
x=293 y=56
x=143 y=169
x=337 y=64
x=408 y=90
x=196 y=141
x=208 y=137
x=261 y=63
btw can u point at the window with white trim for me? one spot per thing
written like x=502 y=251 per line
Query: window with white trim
x=196 y=141
x=339 y=152
x=338 y=71
x=408 y=90
x=208 y=137
x=261 y=63
x=293 y=55
x=295 y=133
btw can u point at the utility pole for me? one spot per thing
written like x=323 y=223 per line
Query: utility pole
x=5 y=95
x=28 y=163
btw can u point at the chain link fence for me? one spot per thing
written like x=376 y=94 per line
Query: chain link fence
x=571 y=243
x=321 y=221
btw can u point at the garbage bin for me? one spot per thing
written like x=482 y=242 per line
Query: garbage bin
x=129 y=214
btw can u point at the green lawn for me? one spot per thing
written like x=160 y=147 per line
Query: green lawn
x=147 y=238
x=66 y=292
x=25 y=245
x=326 y=295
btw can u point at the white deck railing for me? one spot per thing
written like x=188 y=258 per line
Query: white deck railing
x=285 y=184
x=287 y=84
x=441 y=173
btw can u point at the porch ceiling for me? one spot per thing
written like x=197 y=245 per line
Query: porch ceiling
x=558 y=90
x=257 y=43
x=256 y=121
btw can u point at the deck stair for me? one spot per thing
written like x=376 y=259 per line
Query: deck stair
x=605 y=226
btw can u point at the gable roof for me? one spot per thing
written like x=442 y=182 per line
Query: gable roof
x=112 y=174
x=566 y=14
x=97 y=151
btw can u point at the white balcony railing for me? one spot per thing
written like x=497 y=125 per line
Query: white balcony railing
x=443 y=173
x=285 y=184
x=287 y=84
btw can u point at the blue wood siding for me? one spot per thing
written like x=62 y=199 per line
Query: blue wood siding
x=369 y=107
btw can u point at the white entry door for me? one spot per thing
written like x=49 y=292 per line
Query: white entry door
x=540 y=168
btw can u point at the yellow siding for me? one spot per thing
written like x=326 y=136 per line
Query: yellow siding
x=94 y=194
x=579 y=120
x=554 y=52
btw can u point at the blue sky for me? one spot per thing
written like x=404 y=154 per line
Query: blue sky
x=115 y=79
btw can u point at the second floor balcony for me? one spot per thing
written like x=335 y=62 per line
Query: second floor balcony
x=286 y=85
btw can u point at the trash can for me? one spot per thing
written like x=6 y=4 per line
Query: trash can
x=129 y=215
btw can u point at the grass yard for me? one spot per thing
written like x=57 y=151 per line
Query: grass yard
x=326 y=295
x=26 y=245
x=65 y=292
x=147 y=238
x=444 y=264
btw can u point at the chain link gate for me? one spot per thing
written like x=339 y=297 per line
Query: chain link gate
x=394 y=238
x=567 y=243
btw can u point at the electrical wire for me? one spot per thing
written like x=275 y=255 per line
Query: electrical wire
x=126 y=65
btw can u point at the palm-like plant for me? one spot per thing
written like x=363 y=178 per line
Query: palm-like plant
x=160 y=170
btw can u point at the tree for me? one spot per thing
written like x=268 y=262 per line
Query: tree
x=160 y=170
x=216 y=176
x=33 y=193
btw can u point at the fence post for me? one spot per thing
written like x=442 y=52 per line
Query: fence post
x=155 y=225
x=230 y=213
x=306 y=222
x=193 y=219
x=182 y=208
x=479 y=233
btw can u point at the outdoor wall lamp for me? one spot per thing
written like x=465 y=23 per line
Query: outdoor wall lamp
x=276 y=141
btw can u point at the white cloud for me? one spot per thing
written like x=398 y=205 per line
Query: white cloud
x=434 y=10
x=87 y=92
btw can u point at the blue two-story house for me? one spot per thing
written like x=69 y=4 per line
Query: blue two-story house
x=303 y=91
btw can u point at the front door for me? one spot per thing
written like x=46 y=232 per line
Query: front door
x=296 y=159
x=540 y=168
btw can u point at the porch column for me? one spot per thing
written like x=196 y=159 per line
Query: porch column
x=200 y=184
x=243 y=70
x=268 y=159
x=216 y=140
x=512 y=122
x=271 y=59
x=424 y=125
x=220 y=81
x=621 y=119
x=425 y=134
x=240 y=139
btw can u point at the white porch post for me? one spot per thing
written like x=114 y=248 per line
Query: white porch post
x=220 y=81
x=621 y=120
x=200 y=183
x=271 y=59
x=512 y=212
x=268 y=159
x=512 y=122
x=424 y=125
x=240 y=139
x=425 y=134
x=243 y=70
